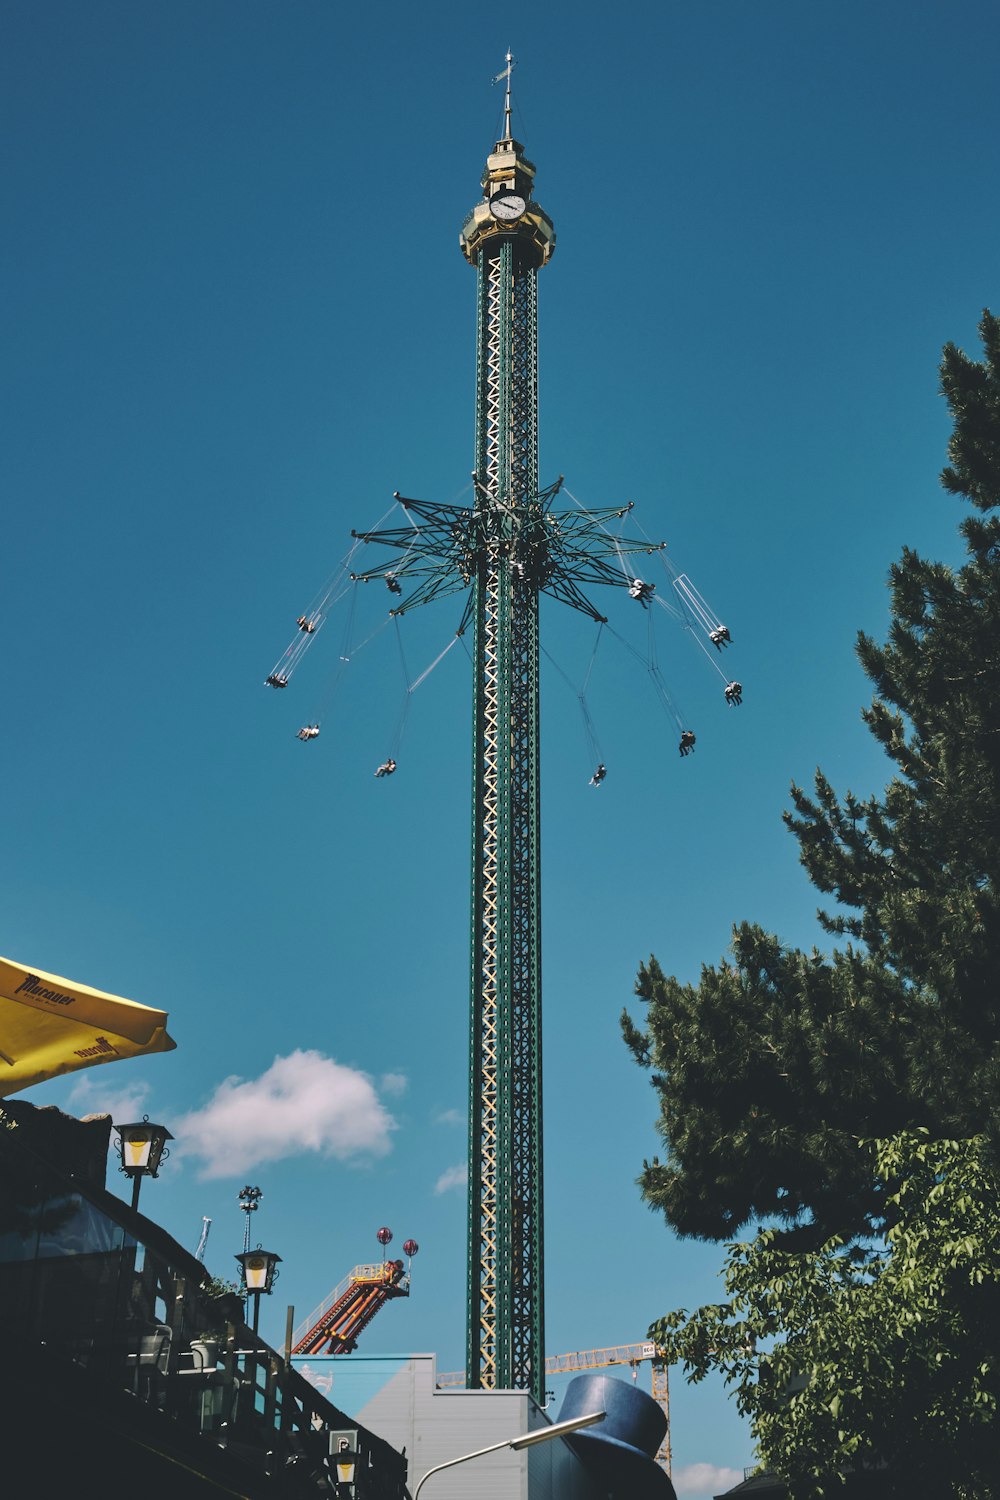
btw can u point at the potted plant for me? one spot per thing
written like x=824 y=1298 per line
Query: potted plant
x=221 y=1303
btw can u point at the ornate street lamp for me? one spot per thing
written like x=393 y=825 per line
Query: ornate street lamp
x=259 y=1272
x=141 y=1148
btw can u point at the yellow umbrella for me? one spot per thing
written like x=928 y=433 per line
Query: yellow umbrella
x=49 y=1025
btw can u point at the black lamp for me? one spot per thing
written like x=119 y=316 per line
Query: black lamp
x=142 y=1147
x=259 y=1272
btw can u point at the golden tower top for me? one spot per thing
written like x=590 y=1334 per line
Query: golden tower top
x=506 y=210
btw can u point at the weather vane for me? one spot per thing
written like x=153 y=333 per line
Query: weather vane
x=505 y=74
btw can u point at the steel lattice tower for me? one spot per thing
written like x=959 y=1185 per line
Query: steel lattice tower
x=507 y=238
x=505 y=549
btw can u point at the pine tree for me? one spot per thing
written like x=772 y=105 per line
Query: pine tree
x=771 y=1067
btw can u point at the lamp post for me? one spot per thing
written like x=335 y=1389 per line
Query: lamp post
x=249 y=1202
x=526 y=1440
x=142 y=1147
x=259 y=1272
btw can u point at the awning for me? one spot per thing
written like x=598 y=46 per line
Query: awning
x=50 y=1025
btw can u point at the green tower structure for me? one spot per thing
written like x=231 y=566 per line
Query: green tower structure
x=508 y=238
x=504 y=550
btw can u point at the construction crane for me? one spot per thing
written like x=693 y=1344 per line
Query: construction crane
x=632 y=1355
x=334 y=1326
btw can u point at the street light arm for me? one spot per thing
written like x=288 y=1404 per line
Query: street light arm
x=526 y=1440
x=479 y=1453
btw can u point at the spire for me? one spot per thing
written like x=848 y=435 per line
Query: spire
x=507 y=134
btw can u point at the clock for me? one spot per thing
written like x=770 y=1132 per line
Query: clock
x=507 y=205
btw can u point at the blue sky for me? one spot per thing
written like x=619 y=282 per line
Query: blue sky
x=237 y=320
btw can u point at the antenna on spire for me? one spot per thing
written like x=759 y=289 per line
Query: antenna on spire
x=505 y=74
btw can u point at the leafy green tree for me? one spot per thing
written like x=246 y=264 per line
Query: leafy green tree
x=771 y=1066
x=881 y=1359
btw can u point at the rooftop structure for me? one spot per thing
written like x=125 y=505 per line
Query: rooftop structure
x=121 y=1361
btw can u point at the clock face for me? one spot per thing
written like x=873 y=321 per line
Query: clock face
x=507 y=205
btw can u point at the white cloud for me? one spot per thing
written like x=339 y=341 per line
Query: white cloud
x=450 y=1117
x=455 y=1177
x=92 y=1094
x=704 y=1479
x=394 y=1083
x=303 y=1102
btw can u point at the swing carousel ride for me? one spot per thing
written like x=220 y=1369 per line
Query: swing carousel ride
x=503 y=544
x=440 y=549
